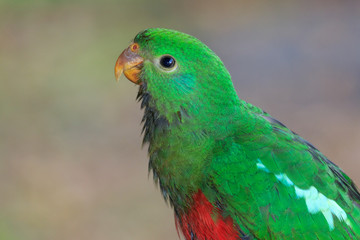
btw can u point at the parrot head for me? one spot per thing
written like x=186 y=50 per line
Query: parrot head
x=178 y=71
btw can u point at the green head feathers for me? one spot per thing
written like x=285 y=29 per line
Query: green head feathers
x=180 y=72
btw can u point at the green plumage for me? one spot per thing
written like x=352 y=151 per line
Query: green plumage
x=270 y=181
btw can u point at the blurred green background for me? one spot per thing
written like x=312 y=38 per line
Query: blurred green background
x=71 y=163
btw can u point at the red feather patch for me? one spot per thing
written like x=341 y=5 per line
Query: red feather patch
x=203 y=222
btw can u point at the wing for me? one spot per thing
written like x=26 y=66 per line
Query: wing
x=276 y=185
x=341 y=179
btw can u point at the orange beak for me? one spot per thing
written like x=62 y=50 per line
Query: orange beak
x=129 y=63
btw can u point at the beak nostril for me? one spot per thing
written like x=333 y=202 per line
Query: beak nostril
x=134 y=47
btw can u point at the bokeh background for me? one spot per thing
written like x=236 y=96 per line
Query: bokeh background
x=71 y=163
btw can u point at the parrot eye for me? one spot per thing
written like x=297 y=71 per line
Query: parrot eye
x=167 y=62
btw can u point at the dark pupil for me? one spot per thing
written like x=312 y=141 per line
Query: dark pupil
x=167 y=62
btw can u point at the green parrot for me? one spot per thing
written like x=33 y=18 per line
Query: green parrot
x=229 y=169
